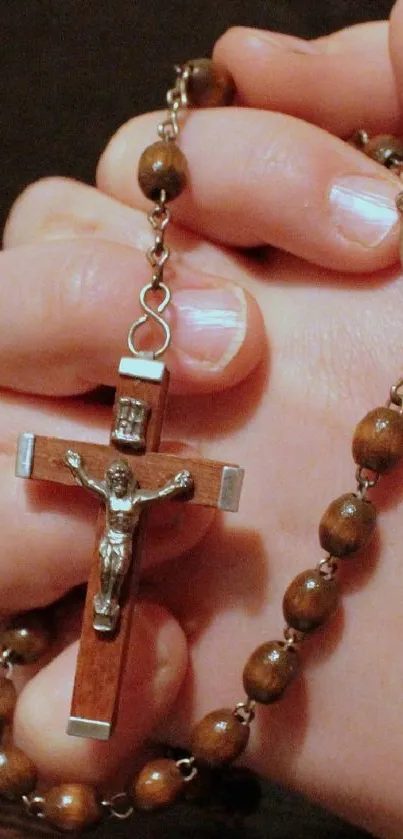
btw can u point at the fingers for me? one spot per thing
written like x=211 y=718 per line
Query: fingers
x=51 y=528
x=58 y=209
x=341 y=82
x=264 y=178
x=68 y=306
x=55 y=209
x=156 y=665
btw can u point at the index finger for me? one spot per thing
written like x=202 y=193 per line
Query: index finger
x=341 y=82
x=66 y=307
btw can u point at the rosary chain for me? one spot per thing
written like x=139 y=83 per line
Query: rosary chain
x=293 y=638
x=245 y=711
x=159 y=218
x=119 y=806
x=328 y=567
x=366 y=479
x=177 y=100
x=6 y=662
x=396 y=394
x=34 y=805
x=188 y=768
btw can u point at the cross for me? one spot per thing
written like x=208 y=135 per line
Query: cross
x=135 y=437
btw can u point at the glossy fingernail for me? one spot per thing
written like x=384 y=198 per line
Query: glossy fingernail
x=364 y=208
x=210 y=323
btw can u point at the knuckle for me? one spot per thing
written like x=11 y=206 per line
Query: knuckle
x=35 y=209
x=68 y=303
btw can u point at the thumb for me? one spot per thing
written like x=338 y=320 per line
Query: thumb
x=155 y=667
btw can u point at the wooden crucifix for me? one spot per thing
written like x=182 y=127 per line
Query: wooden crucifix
x=128 y=476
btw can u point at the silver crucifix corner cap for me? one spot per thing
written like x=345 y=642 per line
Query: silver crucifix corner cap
x=25 y=455
x=95 y=729
x=146 y=369
x=230 y=490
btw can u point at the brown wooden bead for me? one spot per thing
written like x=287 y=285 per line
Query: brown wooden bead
x=309 y=600
x=27 y=637
x=219 y=738
x=210 y=85
x=269 y=670
x=347 y=525
x=385 y=149
x=159 y=784
x=162 y=167
x=8 y=699
x=18 y=774
x=378 y=440
x=71 y=806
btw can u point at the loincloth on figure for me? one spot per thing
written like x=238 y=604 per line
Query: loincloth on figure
x=115 y=552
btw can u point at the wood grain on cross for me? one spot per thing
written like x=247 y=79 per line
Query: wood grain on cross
x=100 y=658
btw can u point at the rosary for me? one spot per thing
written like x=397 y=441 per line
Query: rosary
x=129 y=476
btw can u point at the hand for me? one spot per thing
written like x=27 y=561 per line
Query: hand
x=333 y=339
x=81 y=289
x=184 y=480
x=73 y=460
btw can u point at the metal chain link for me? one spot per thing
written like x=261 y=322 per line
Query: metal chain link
x=396 y=391
x=187 y=766
x=34 y=805
x=119 y=806
x=176 y=99
x=159 y=217
x=328 y=567
x=366 y=479
x=293 y=638
x=7 y=662
x=245 y=711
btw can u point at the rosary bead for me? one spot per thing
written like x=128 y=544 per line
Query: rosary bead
x=71 y=806
x=309 y=600
x=27 y=637
x=347 y=525
x=8 y=699
x=269 y=670
x=385 y=149
x=162 y=167
x=378 y=440
x=210 y=85
x=159 y=784
x=18 y=774
x=219 y=738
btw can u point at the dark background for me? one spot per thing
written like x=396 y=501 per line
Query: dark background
x=71 y=71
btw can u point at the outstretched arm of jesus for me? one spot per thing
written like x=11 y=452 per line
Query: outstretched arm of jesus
x=76 y=465
x=180 y=484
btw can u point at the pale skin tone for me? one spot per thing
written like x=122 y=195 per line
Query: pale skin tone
x=334 y=348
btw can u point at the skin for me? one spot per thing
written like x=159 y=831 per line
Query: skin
x=333 y=328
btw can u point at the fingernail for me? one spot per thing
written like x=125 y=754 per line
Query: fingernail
x=364 y=208
x=210 y=323
x=284 y=42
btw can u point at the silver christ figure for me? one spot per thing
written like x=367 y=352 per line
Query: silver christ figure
x=124 y=501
